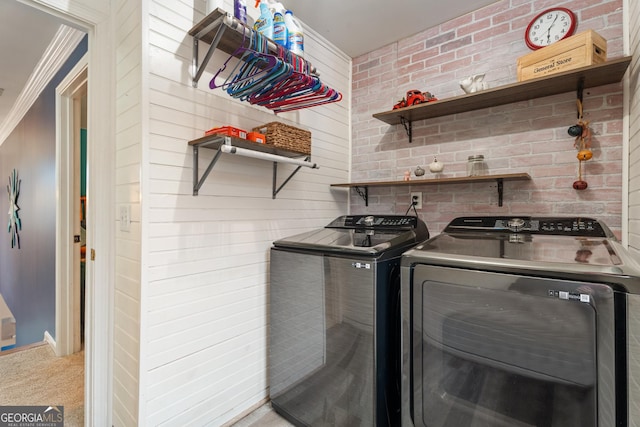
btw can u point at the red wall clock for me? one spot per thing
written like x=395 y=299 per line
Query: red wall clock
x=550 y=26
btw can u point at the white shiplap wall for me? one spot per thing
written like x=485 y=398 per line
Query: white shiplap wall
x=205 y=297
x=126 y=331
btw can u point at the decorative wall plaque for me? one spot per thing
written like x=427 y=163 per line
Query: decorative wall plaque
x=13 y=189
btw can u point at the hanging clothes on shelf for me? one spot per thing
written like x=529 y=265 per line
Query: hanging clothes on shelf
x=280 y=83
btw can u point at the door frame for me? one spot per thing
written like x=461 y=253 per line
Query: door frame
x=68 y=111
x=96 y=19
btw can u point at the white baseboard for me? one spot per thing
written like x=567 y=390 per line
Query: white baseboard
x=50 y=340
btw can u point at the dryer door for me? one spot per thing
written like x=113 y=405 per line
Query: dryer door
x=494 y=349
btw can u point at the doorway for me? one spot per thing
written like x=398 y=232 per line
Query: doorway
x=71 y=117
x=96 y=19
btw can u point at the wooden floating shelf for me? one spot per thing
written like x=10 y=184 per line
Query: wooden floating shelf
x=215 y=141
x=433 y=181
x=362 y=188
x=609 y=72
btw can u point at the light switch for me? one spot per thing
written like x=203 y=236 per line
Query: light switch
x=125 y=218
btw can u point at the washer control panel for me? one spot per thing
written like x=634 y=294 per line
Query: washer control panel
x=374 y=221
x=581 y=226
x=575 y=226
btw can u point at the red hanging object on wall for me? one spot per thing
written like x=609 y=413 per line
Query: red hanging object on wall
x=582 y=132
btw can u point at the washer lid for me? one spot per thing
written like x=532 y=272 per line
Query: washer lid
x=355 y=241
x=575 y=244
x=525 y=248
x=361 y=234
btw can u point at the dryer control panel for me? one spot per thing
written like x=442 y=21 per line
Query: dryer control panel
x=557 y=226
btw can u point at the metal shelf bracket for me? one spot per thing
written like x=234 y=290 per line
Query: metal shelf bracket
x=500 y=182
x=580 y=90
x=364 y=193
x=275 y=175
x=197 y=182
x=408 y=127
x=198 y=69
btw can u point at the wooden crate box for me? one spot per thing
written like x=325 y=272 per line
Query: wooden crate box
x=579 y=50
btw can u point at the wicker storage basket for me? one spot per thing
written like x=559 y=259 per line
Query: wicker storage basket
x=286 y=137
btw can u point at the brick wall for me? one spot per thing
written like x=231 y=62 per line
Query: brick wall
x=528 y=136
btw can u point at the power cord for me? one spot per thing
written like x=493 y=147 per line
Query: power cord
x=414 y=202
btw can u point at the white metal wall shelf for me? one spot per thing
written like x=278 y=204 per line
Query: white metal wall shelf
x=362 y=188
x=608 y=72
x=242 y=147
x=221 y=31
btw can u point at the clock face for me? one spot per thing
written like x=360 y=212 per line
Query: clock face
x=550 y=26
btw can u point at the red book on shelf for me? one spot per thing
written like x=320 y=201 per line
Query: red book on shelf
x=227 y=130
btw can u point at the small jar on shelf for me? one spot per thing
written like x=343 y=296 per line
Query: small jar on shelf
x=476 y=165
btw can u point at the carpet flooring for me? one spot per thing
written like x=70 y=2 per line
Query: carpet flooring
x=36 y=377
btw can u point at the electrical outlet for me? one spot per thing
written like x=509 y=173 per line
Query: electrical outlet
x=417 y=199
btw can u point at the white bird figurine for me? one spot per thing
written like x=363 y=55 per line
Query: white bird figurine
x=474 y=83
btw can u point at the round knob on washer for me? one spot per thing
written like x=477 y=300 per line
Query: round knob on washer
x=515 y=223
x=368 y=220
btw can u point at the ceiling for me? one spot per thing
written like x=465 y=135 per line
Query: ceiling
x=360 y=26
x=25 y=32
